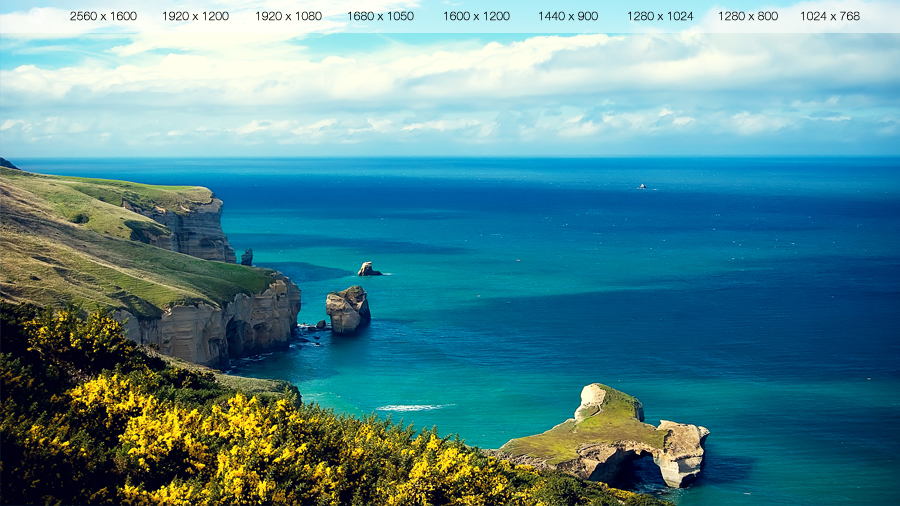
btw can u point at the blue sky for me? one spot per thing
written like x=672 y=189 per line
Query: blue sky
x=369 y=94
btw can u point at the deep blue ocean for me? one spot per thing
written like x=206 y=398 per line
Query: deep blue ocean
x=758 y=297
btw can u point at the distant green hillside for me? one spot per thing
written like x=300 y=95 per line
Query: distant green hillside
x=69 y=239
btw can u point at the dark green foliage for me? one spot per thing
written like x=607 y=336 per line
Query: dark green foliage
x=36 y=371
x=80 y=218
x=142 y=230
x=12 y=326
x=81 y=348
x=188 y=388
x=560 y=489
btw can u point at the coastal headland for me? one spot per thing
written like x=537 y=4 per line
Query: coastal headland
x=606 y=432
x=154 y=255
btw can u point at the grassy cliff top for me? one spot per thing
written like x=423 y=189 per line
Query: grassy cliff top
x=616 y=422
x=98 y=203
x=68 y=239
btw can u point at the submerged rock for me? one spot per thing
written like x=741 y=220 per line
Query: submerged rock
x=247 y=257
x=348 y=309
x=366 y=270
x=606 y=432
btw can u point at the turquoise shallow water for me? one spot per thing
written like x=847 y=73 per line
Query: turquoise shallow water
x=757 y=297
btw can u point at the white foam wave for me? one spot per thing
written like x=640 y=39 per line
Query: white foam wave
x=412 y=407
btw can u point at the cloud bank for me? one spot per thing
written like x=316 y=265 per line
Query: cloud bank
x=596 y=94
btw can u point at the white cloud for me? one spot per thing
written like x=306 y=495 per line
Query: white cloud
x=314 y=128
x=442 y=125
x=12 y=123
x=747 y=123
x=625 y=120
x=575 y=127
x=264 y=126
x=374 y=125
x=812 y=104
x=467 y=130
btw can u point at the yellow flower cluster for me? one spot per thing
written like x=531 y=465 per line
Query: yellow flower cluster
x=449 y=476
x=93 y=336
x=246 y=452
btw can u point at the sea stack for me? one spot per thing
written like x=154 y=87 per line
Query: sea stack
x=366 y=270
x=348 y=309
x=247 y=257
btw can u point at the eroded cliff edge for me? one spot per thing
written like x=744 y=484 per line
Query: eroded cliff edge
x=606 y=432
x=194 y=229
x=144 y=252
x=212 y=335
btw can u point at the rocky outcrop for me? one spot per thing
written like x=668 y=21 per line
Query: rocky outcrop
x=596 y=452
x=196 y=232
x=211 y=335
x=682 y=456
x=679 y=460
x=348 y=309
x=247 y=257
x=592 y=397
x=366 y=270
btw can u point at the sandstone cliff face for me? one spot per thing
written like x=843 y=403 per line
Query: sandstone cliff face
x=211 y=336
x=196 y=232
x=682 y=455
x=679 y=460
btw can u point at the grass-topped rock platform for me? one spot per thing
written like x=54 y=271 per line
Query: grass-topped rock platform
x=607 y=431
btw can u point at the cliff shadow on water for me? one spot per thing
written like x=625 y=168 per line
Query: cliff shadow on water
x=302 y=272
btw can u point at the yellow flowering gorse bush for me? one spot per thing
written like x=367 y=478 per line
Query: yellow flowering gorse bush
x=246 y=452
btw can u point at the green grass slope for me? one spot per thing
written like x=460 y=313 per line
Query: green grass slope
x=616 y=422
x=68 y=239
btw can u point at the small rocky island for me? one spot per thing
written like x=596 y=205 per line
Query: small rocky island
x=367 y=270
x=607 y=432
x=348 y=309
